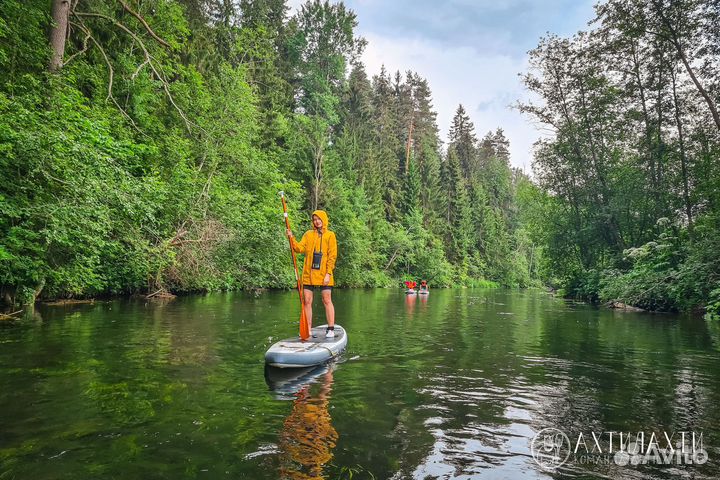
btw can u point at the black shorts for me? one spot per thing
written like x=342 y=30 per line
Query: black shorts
x=321 y=287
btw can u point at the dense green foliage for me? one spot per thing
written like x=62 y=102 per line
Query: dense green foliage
x=145 y=153
x=631 y=211
x=150 y=159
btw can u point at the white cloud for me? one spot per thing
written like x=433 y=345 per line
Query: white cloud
x=486 y=85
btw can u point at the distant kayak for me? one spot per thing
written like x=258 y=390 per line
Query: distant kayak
x=424 y=292
x=296 y=353
x=411 y=292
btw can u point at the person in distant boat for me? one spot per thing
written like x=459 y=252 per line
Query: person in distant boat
x=320 y=248
x=423 y=286
x=410 y=284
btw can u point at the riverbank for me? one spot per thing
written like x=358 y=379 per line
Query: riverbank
x=170 y=294
x=623 y=303
x=679 y=271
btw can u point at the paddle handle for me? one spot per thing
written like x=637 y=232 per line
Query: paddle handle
x=287 y=226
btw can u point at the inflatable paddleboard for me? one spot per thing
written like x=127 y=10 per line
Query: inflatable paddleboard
x=296 y=353
x=424 y=292
x=410 y=292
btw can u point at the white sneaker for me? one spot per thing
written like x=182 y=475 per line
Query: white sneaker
x=330 y=334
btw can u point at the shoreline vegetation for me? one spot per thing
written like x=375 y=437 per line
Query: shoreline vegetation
x=166 y=296
x=143 y=144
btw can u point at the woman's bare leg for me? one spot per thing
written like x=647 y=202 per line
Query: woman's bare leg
x=308 y=306
x=329 y=307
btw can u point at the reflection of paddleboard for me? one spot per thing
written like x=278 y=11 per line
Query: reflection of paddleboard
x=287 y=381
x=296 y=353
x=410 y=292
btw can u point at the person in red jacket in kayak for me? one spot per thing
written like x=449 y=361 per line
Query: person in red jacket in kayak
x=320 y=248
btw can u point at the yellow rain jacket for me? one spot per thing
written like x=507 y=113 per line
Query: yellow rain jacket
x=314 y=241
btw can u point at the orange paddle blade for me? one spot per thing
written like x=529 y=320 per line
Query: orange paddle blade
x=304 y=329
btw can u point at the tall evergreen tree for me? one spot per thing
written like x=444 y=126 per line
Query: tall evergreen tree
x=411 y=191
x=356 y=131
x=386 y=143
x=459 y=229
x=462 y=139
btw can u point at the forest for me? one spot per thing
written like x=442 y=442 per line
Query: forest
x=143 y=144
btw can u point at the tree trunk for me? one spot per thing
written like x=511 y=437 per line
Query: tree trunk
x=647 y=153
x=674 y=38
x=683 y=160
x=317 y=170
x=698 y=85
x=58 y=32
x=659 y=209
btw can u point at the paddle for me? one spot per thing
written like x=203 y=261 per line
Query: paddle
x=304 y=330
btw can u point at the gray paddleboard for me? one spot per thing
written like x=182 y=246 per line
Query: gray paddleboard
x=296 y=353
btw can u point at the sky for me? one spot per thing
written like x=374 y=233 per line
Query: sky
x=470 y=51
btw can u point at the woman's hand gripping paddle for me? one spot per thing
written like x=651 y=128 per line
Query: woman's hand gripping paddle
x=304 y=329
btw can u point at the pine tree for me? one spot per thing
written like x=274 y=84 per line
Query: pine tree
x=432 y=199
x=386 y=144
x=411 y=191
x=494 y=169
x=462 y=139
x=459 y=228
x=426 y=151
x=356 y=133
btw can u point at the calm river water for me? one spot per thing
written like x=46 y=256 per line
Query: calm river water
x=486 y=384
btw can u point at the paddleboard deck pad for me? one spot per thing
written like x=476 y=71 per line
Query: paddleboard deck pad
x=296 y=353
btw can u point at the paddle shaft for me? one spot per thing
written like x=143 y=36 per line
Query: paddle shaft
x=304 y=330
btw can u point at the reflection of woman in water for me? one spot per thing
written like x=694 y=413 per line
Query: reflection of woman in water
x=308 y=437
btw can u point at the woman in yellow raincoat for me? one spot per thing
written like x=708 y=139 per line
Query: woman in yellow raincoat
x=320 y=248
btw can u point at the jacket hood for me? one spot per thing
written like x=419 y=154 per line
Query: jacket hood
x=324 y=217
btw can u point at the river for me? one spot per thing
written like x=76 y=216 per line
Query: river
x=486 y=384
